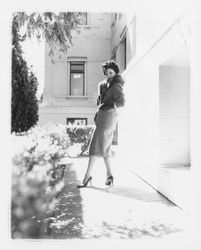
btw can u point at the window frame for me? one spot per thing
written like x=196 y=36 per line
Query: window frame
x=114 y=56
x=77 y=118
x=76 y=59
x=87 y=20
x=80 y=72
x=125 y=51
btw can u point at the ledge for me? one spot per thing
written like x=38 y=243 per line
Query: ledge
x=75 y=97
x=87 y=26
x=175 y=167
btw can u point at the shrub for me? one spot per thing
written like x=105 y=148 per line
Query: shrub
x=36 y=177
x=80 y=135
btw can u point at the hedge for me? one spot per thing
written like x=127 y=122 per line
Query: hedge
x=36 y=178
x=80 y=137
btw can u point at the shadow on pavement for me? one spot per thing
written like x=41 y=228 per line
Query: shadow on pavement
x=130 y=224
x=67 y=221
x=132 y=230
x=136 y=194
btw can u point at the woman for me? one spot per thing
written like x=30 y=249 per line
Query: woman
x=110 y=98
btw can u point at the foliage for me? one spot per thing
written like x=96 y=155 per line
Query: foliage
x=37 y=174
x=36 y=177
x=55 y=28
x=80 y=135
x=24 y=104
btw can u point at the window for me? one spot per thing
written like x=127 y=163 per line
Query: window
x=120 y=15
x=114 y=56
x=77 y=76
x=125 y=49
x=83 y=18
x=122 y=54
x=76 y=121
x=115 y=17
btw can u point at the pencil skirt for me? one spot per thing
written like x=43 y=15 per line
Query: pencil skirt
x=105 y=124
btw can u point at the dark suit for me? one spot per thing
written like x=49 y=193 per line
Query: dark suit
x=109 y=99
x=112 y=96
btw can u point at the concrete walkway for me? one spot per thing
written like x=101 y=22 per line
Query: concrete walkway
x=130 y=209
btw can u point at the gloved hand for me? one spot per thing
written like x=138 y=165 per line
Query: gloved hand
x=106 y=106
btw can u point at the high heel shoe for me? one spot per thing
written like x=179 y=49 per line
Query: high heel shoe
x=86 y=183
x=110 y=181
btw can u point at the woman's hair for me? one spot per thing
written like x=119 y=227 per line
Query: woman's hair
x=110 y=65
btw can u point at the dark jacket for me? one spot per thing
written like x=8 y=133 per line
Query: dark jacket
x=112 y=96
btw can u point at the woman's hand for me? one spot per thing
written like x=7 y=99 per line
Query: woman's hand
x=107 y=105
x=98 y=101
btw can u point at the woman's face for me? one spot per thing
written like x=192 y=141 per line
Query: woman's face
x=110 y=73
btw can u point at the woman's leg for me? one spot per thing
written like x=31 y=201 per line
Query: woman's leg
x=90 y=167
x=107 y=161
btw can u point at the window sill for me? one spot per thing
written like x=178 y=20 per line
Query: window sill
x=86 y=26
x=77 y=97
x=82 y=97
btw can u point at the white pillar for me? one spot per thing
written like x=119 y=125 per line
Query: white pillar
x=195 y=120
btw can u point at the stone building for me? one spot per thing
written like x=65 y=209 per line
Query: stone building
x=71 y=83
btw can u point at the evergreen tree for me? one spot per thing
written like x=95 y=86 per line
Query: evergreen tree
x=56 y=30
x=24 y=104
